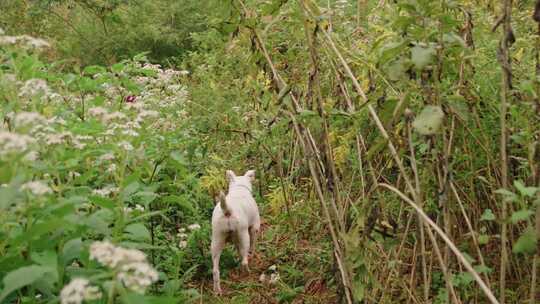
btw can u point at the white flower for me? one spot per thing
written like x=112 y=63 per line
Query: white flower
x=194 y=227
x=31 y=156
x=272 y=268
x=79 y=290
x=106 y=157
x=182 y=244
x=137 y=276
x=7 y=40
x=98 y=112
x=57 y=120
x=181 y=230
x=130 y=132
x=102 y=252
x=147 y=113
x=112 y=256
x=14 y=143
x=132 y=268
x=24 y=119
x=106 y=191
x=36 y=187
x=274 y=277
x=32 y=42
x=73 y=174
x=139 y=208
x=262 y=277
x=112 y=168
x=59 y=138
x=34 y=87
x=182 y=236
x=125 y=145
x=114 y=116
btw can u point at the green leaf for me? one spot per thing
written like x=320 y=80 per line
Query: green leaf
x=94 y=69
x=138 y=231
x=525 y=191
x=118 y=67
x=22 y=277
x=483 y=239
x=129 y=190
x=505 y=192
x=422 y=56
x=527 y=242
x=521 y=215
x=483 y=269
x=487 y=215
x=99 y=221
x=146 y=197
x=7 y=196
x=45 y=258
x=72 y=249
x=429 y=120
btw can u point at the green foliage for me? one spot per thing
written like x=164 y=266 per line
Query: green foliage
x=107 y=31
x=98 y=169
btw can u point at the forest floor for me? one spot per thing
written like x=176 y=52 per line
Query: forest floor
x=290 y=254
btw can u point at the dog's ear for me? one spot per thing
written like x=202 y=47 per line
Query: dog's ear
x=230 y=175
x=250 y=174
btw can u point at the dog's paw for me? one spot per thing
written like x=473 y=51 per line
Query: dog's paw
x=218 y=292
x=245 y=268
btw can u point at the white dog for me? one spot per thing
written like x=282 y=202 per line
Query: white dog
x=236 y=218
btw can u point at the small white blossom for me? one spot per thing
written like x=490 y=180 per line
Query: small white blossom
x=31 y=156
x=77 y=291
x=11 y=143
x=194 y=227
x=24 y=119
x=106 y=157
x=97 y=112
x=125 y=145
x=262 y=278
x=182 y=244
x=132 y=268
x=137 y=276
x=182 y=236
x=112 y=168
x=146 y=114
x=274 y=277
x=106 y=191
x=73 y=174
x=34 y=87
x=37 y=188
x=130 y=132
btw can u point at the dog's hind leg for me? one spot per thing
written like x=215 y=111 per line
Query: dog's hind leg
x=253 y=233
x=218 y=242
x=244 y=248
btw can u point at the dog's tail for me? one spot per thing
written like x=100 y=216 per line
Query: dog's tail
x=223 y=203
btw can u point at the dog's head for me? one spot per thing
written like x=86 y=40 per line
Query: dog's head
x=242 y=181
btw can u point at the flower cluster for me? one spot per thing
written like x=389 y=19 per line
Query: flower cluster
x=13 y=143
x=37 y=188
x=130 y=265
x=183 y=236
x=77 y=291
x=106 y=191
x=137 y=207
x=24 y=41
x=270 y=276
